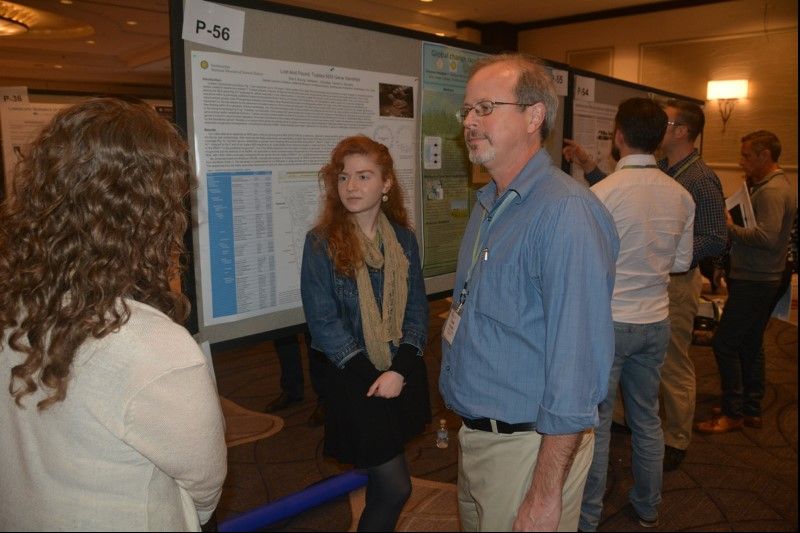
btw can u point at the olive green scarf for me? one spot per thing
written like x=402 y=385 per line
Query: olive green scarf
x=385 y=326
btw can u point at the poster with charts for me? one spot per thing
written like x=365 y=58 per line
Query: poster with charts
x=263 y=129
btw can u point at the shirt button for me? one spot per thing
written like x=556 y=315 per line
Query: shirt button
x=447 y=368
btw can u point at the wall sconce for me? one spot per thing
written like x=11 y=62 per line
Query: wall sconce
x=726 y=92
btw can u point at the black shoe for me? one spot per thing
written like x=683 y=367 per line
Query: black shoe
x=281 y=402
x=673 y=457
x=317 y=418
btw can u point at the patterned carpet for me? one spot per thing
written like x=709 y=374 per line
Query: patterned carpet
x=744 y=481
x=432 y=507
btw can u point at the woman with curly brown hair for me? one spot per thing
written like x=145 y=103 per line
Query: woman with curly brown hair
x=365 y=304
x=111 y=420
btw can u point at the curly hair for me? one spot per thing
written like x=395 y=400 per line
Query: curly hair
x=97 y=215
x=335 y=225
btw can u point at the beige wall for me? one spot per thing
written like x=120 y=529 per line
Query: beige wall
x=679 y=50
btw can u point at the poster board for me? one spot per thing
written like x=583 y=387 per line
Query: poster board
x=262 y=110
x=593 y=104
x=20 y=124
x=448 y=179
x=21 y=120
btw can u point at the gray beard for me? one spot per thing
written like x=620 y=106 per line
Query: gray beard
x=482 y=158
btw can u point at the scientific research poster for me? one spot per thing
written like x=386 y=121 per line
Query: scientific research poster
x=20 y=124
x=593 y=129
x=263 y=129
x=446 y=169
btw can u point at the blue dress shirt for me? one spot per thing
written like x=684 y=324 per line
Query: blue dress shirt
x=536 y=340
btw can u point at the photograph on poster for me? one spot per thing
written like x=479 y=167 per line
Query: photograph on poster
x=396 y=100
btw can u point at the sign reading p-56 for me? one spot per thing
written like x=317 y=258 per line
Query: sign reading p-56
x=213 y=25
x=216 y=31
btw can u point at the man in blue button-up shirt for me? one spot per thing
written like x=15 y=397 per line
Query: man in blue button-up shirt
x=529 y=341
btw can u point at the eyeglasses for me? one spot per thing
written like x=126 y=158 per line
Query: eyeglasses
x=483 y=108
x=675 y=124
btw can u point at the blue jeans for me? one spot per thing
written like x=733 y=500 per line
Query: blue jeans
x=639 y=355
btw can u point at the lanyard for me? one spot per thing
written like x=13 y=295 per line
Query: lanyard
x=686 y=165
x=496 y=211
x=757 y=186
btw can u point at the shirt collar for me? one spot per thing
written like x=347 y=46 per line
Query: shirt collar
x=522 y=184
x=767 y=178
x=638 y=160
x=671 y=170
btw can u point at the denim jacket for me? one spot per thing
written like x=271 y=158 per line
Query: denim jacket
x=330 y=301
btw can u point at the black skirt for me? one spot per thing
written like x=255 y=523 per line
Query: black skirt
x=365 y=431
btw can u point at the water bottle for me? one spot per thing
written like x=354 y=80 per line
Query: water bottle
x=442 y=438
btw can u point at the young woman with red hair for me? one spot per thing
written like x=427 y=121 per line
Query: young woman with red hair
x=365 y=304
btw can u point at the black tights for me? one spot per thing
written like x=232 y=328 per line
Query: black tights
x=388 y=489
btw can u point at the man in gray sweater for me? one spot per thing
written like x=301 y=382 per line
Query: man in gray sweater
x=758 y=258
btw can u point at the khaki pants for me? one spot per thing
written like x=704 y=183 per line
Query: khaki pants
x=678 y=385
x=494 y=474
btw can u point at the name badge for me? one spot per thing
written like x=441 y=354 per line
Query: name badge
x=451 y=325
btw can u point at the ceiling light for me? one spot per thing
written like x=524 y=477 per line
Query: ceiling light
x=131 y=22
x=440 y=34
x=66 y=2
x=426 y=1
x=9 y=26
x=39 y=23
x=58 y=66
x=90 y=42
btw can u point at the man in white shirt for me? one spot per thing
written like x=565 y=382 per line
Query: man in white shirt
x=654 y=217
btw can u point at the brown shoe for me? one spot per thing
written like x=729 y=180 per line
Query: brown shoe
x=720 y=424
x=749 y=421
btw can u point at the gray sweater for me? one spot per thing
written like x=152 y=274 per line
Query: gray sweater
x=759 y=253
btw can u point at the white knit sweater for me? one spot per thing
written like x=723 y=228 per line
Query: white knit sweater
x=138 y=443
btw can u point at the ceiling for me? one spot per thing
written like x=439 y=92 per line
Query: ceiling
x=77 y=43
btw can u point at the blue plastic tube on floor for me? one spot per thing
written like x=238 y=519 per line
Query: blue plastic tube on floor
x=294 y=504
